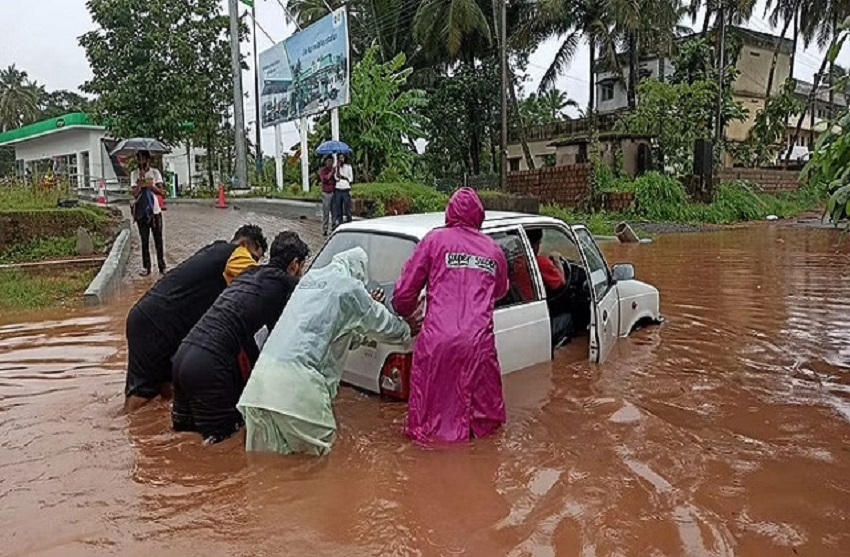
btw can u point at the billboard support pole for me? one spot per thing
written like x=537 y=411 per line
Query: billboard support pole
x=278 y=155
x=259 y=130
x=238 y=98
x=335 y=124
x=305 y=162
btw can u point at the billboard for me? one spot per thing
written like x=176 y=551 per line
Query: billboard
x=308 y=73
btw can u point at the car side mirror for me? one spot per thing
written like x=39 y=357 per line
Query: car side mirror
x=623 y=272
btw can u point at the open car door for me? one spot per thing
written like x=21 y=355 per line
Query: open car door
x=605 y=303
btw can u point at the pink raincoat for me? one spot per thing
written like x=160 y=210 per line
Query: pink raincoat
x=456 y=381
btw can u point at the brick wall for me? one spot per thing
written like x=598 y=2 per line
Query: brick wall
x=564 y=185
x=771 y=181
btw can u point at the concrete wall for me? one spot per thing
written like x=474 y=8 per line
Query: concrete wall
x=652 y=67
x=539 y=150
x=564 y=185
x=754 y=65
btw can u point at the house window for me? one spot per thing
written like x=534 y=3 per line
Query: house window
x=606 y=92
x=513 y=164
x=200 y=163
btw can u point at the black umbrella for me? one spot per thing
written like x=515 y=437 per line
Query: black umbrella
x=134 y=145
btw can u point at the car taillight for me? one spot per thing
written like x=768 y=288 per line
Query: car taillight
x=395 y=376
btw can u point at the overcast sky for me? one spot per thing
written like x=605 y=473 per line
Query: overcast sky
x=40 y=37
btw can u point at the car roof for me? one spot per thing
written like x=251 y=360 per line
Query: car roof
x=418 y=225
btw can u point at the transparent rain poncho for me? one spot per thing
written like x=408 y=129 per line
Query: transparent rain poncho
x=287 y=401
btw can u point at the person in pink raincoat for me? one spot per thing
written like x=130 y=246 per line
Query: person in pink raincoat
x=456 y=380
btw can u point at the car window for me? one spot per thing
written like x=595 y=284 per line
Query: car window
x=556 y=241
x=387 y=254
x=522 y=288
x=597 y=268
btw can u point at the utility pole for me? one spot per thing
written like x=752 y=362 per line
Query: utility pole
x=831 y=81
x=721 y=73
x=259 y=127
x=503 y=59
x=238 y=97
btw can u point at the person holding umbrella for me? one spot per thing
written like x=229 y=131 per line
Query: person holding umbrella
x=344 y=180
x=147 y=212
x=148 y=192
x=327 y=176
x=343 y=176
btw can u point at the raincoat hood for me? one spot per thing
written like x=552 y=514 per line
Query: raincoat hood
x=353 y=262
x=465 y=209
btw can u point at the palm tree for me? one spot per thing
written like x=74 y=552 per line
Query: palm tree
x=19 y=99
x=787 y=11
x=449 y=30
x=570 y=21
x=645 y=26
x=553 y=102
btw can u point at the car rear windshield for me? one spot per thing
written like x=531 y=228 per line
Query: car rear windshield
x=387 y=254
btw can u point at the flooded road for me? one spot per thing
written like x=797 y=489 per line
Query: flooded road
x=726 y=431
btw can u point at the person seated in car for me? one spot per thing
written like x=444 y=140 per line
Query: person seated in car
x=551 y=268
x=555 y=280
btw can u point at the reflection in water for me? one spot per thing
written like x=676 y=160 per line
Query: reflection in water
x=726 y=431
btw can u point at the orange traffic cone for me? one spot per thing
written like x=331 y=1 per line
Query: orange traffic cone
x=222 y=199
x=101 y=194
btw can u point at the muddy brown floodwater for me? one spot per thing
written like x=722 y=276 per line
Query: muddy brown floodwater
x=724 y=432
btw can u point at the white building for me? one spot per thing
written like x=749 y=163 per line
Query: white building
x=72 y=147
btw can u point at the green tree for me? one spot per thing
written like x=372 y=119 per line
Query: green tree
x=546 y=108
x=59 y=103
x=681 y=111
x=19 y=99
x=463 y=120
x=157 y=65
x=383 y=119
x=449 y=30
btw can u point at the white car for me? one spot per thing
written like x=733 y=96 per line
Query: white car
x=605 y=303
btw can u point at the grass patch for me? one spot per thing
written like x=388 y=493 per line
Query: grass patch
x=43 y=249
x=21 y=197
x=600 y=223
x=22 y=291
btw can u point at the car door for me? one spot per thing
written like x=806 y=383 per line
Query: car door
x=605 y=310
x=521 y=320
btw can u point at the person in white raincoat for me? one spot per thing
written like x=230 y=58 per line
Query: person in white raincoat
x=287 y=400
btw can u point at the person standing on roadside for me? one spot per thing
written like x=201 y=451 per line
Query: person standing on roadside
x=344 y=180
x=147 y=211
x=327 y=175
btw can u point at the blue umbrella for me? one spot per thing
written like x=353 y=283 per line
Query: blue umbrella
x=333 y=148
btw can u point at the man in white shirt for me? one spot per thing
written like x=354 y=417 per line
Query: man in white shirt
x=344 y=179
x=147 y=212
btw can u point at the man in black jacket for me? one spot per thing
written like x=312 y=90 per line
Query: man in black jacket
x=216 y=357
x=160 y=320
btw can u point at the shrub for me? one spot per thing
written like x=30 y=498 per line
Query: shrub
x=397 y=198
x=661 y=198
x=607 y=181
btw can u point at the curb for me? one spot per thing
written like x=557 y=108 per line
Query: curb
x=107 y=280
x=285 y=208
